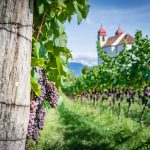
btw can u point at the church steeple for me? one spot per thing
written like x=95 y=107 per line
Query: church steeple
x=102 y=36
x=119 y=31
x=102 y=31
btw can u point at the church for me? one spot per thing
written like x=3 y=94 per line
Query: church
x=115 y=44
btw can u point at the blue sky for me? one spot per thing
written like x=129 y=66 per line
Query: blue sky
x=131 y=15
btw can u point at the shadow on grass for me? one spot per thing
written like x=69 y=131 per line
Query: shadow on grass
x=80 y=136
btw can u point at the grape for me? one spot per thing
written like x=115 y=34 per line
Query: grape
x=33 y=108
x=147 y=91
x=52 y=94
x=41 y=118
x=35 y=134
x=37 y=111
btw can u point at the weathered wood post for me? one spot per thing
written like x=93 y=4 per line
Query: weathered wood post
x=16 y=18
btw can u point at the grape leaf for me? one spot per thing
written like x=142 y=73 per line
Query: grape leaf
x=35 y=86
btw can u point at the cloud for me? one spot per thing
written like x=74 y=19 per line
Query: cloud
x=114 y=15
x=82 y=39
x=88 y=59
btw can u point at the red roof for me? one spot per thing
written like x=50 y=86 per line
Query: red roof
x=128 y=38
x=102 y=32
x=119 y=31
x=111 y=40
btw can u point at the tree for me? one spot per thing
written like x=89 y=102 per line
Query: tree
x=85 y=69
x=15 y=54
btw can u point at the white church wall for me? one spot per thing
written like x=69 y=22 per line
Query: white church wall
x=129 y=46
x=102 y=41
x=121 y=47
x=107 y=51
x=110 y=50
x=114 y=50
x=99 y=61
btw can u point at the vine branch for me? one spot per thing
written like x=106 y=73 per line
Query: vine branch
x=40 y=28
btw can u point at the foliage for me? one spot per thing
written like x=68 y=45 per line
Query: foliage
x=49 y=37
x=50 y=55
x=129 y=69
x=85 y=69
x=122 y=77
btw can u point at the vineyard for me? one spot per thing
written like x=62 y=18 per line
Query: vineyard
x=119 y=79
x=44 y=107
x=107 y=106
x=79 y=126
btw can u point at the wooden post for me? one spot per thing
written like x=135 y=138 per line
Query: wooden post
x=16 y=19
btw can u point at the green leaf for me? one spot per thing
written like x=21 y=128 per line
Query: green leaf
x=36 y=76
x=37 y=62
x=61 y=27
x=48 y=45
x=58 y=62
x=43 y=53
x=52 y=12
x=61 y=41
x=85 y=11
x=41 y=9
x=35 y=86
x=65 y=69
x=60 y=2
x=48 y=1
x=36 y=48
x=81 y=2
x=46 y=104
x=79 y=15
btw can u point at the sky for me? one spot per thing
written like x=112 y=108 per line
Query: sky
x=130 y=15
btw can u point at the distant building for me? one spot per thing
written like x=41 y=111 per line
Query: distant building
x=115 y=44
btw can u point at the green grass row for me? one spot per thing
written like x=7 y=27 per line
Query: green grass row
x=73 y=126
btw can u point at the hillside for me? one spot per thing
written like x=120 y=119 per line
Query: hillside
x=76 y=67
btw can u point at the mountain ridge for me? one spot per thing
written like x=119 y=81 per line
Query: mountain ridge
x=76 y=67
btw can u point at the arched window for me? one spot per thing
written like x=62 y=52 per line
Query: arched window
x=103 y=38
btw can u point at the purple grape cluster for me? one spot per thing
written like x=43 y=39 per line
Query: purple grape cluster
x=52 y=94
x=41 y=118
x=37 y=121
x=37 y=111
x=147 y=91
x=33 y=108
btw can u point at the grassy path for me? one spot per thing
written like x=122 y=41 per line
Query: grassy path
x=76 y=127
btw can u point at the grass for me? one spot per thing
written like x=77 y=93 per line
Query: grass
x=73 y=126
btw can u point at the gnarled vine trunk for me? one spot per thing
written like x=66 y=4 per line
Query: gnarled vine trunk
x=16 y=18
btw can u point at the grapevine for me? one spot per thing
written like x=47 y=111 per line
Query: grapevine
x=124 y=77
x=49 y=52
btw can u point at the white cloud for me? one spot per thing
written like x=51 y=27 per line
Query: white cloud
x=114 y=15
x=82 y=39
x=88 y=59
